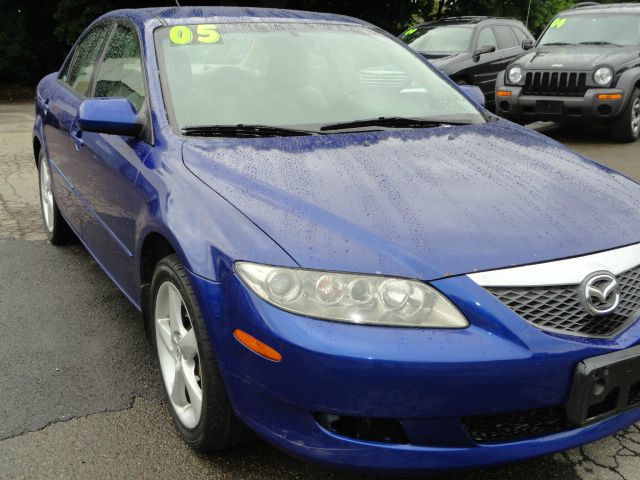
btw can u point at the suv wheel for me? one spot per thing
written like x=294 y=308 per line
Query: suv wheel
x=626 y=128
x=196 y=395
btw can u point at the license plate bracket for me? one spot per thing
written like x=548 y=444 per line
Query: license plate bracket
x=604 y=386
x=549 y=107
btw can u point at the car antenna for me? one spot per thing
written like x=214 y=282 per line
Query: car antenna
x=178 y=3
x=528 y=11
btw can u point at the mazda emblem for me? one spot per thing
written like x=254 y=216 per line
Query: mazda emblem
x=600 y=293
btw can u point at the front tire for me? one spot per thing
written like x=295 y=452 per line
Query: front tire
x=626 y=128
x=196 y=395
x=55 y=226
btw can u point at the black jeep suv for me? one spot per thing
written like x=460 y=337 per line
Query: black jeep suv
x=471 y=50
x=585 y=67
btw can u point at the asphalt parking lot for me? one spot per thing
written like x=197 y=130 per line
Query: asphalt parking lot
x=79 y=389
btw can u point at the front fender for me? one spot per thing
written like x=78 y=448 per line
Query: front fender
x=627 y=82
x=205 y=230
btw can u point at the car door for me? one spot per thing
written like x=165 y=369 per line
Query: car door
x=508 y=44
x=113 y=162
x=60 y=107
x=486 y=67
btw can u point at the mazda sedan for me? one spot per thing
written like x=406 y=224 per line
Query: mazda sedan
x=335 y=247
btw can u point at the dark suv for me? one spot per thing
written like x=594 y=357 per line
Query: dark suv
x=585 y=67
x=471 y=50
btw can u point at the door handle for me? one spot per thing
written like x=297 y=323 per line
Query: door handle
x=76 y=137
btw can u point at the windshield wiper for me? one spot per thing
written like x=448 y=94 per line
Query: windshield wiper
x=392 y=122
x=558 y=44
x=601 y=42
x=244 y=131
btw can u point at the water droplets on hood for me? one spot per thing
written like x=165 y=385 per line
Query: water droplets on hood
x=417 y=204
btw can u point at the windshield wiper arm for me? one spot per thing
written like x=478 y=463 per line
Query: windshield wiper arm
x=392 y=122
x=560 y=44
x=242 y=130
x=600 y=42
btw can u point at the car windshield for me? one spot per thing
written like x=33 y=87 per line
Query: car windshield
x=297 y=75
x=446 y=39
x=594 y=29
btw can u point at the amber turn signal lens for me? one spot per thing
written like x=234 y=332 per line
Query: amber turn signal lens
x=609 y=96
x=257 y=346
x=503 y=93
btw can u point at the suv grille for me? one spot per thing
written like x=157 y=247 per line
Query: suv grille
x=555 y=83
x=512 y=426
x=558 y=308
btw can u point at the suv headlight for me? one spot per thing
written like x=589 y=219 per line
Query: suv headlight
x=342 y=297
x=514 y=75
x=603 y=76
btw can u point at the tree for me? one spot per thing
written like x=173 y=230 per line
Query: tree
x=35 y=35
x=16 y=57
x=541 y=10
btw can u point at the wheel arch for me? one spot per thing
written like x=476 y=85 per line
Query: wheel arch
x=628 y=81
x=154 y=247
x=37 y=147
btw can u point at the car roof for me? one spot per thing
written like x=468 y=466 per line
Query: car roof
x=177 y=15
x=470 y=20
x=608 y=8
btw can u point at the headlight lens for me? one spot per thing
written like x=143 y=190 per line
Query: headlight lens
x=342 y=297
x=515 y=75
x=603 y=76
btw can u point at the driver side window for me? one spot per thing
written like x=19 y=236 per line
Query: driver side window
x=120 y=73
x=486 y=38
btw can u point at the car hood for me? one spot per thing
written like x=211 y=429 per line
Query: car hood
x=422 y=203
x=446 y=62
x=583 y=57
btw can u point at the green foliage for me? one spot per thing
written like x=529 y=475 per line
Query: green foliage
x=16 y=61
x=73 y=16
x=541 y=12
x=35 y=35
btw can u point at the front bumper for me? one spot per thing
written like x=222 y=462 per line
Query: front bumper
x=532 y=108
x=429 y=380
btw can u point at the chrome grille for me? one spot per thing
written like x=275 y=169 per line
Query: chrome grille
x=558 y=308
x=555 y=83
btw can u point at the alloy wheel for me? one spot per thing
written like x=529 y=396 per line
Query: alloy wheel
x=635 y=117
x=178 y=355
x=46 y=195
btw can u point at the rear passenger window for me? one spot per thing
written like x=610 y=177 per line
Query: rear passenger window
x=487 y=38
x=505 y=37
x=120 y=72
x=78 y=75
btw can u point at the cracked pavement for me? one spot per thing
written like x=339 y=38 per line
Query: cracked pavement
x=80 y=394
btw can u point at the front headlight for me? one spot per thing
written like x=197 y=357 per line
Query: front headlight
x=515 y=75
x=342 y=297
x=603 y=76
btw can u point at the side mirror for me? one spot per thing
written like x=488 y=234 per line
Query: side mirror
x=484 y=49
x=527 y=44
x=114 y=116
x=474 y=94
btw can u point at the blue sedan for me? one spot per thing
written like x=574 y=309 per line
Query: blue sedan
x=335 y=247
